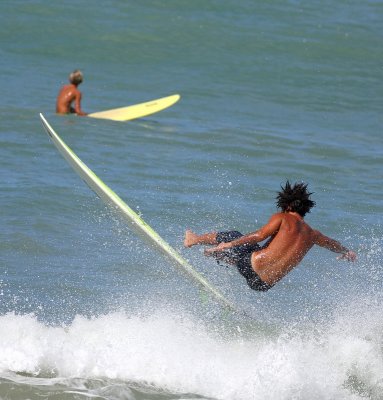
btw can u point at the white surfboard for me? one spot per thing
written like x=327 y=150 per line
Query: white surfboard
x=136 y=223
x=137 y=110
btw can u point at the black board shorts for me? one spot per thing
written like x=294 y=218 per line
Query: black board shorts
x=240 y=256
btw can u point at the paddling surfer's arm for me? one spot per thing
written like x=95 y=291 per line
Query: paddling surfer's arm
x=268 y=230
x=334 y=246
x=77 y=103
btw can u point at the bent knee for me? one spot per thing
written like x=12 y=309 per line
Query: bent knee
x=228 y=236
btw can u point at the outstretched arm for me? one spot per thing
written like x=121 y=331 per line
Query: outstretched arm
x=333 y=245
x=268 y=230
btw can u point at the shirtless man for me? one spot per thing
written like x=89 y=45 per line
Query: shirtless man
x=289 y=239
x=69 y=94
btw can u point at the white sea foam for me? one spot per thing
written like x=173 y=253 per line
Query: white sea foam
x=342 y=360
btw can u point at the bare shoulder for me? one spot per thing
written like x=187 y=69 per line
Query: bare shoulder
x=276 y=220
x=277 y=217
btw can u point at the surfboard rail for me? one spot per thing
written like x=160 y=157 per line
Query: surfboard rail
x=135 y=222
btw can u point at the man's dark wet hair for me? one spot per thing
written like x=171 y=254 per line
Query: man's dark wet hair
x=295 y=198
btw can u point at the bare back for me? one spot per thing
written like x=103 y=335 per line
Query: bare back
x=291 y=239
x=67 y=95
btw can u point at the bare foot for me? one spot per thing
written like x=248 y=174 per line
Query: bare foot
x=191 y=238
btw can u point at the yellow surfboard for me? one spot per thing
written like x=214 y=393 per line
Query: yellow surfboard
x=137 y=110
x=135 y=222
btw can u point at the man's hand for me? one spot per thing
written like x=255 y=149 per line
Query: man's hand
x=349 y=256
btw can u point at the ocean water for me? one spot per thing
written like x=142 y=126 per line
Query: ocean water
x=271 y=90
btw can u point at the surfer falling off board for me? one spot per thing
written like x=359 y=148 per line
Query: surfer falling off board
x=288 y=239
x=69 y=95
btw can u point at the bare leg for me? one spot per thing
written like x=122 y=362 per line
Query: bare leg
x=191 y=238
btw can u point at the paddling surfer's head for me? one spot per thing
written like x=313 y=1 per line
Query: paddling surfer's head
x=295 y=198
x=76 y=77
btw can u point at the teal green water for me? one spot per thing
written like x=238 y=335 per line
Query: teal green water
x=269 y=91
